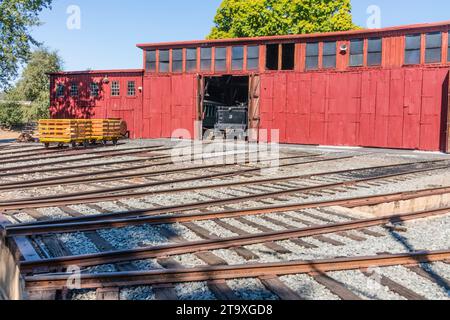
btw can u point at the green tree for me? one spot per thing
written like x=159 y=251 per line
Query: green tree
x=253 y=18
x=17 y=17
x=34 y=86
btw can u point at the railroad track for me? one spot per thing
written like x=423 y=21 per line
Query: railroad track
x=89 y=281
x=206 y=245
x=226 y=240
x=105 y=194
x=87 y=177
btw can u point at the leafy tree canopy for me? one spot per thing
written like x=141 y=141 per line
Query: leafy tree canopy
x=17 y=17
x=252 y=18
x=33 y=85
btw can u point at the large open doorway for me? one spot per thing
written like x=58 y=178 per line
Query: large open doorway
x=225 y=106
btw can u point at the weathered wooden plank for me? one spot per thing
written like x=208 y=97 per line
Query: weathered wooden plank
x=335 y=287
x=329 y=240
x=397 y=288
x=211 y=259
x=303 y=244
x=200 y=231
x=221 y=290
x=108 y=294
x=275 y=285
x=166 y=292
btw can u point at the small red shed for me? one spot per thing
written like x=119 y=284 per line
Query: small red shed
x=384 y=88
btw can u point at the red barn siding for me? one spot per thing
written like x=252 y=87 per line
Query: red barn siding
x=169 y=104
x=103 y=106
x=398 y=108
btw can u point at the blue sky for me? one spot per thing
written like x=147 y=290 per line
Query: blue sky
x=111 y=29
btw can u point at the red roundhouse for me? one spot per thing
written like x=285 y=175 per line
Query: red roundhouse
x=386 y=88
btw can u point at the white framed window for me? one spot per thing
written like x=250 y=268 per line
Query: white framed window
x=94 y=90
x=60 y=88
x=74 y=90
x=115 y=89
x=131 y=92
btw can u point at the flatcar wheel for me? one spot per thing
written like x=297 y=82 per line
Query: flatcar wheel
x=74 y=144
x=115 y=142
x=47 y=145
x=85 y=144
x=105 y=142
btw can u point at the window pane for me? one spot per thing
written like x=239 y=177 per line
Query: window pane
x=163 y=67
x=238 y=64
x=131 y=88
x=191 y=54
x=329 y=61
x=374 y=58
x=253 y=58
x=206 y=53
x=151 y=60
x=253 y=64
x=253 y=52
x=238 y=53
x=164 y=55
x=329 y=48
x=375 y=45
x=433 y=55
x=412 y=57
x=221 y=65
x=312 y=49
x=177 y=66
x=356 y=60
x=191 y=65
x=221 y=53
x=357 y=46
x=413 y=42
x=312 y=62
x=177 y=54
x=434 y=40
x=115 y=89
x=205 y=65
x=164 y=61
x=94 y=90
x=448 y=51
x=60 y=90
x=237 y=58
x=205 y=56
x=191 y=59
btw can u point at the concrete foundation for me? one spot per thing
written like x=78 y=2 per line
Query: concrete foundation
x=398 y=207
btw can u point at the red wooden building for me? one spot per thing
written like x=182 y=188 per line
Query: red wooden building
x=384 y=88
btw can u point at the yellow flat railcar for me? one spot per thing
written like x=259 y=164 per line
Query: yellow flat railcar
x=65 y=131
x=105 y=130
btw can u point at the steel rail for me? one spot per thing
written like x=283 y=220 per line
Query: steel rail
x=214 y=244
x=164 y=172
x=138 y=217
x=57 y=201
x=70 y=153
x=66 y=180
x=93 y=157
x=82 y=166
x=153 y=277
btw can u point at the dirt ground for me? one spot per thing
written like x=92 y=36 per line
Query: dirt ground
x=6 y=135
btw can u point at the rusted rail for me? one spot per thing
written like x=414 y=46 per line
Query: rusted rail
x=216 y=244
x=80 y=198
x=76 y=178
x=71 y=153
x=122 y=279
x=137 y=217
x=93 y=157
